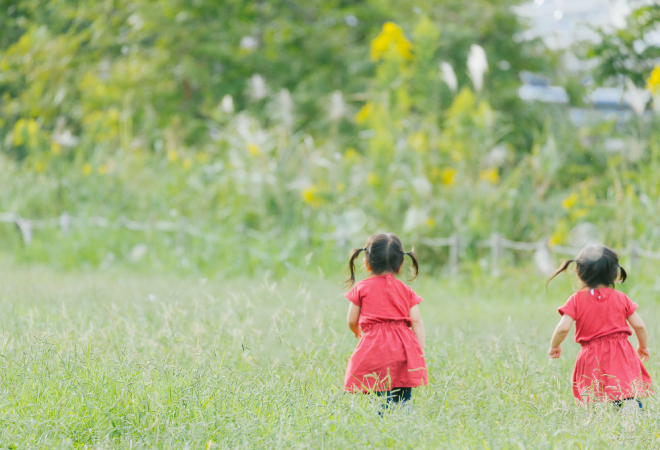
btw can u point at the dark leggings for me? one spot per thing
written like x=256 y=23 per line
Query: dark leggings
x=619 y=403
x=397 y=395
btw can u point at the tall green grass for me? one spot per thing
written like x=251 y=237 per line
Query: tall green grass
x=117 y=359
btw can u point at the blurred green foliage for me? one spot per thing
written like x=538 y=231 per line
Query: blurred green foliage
x=624 y=53
x=166 y=65
x=272 y=126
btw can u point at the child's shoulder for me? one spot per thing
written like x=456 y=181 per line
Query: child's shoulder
x=382 y=280
x=589 y=292
x=365 y=284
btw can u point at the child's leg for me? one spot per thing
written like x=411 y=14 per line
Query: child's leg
x=619 y=403
x=389 y=396
x=397 y=396
x=401 y=395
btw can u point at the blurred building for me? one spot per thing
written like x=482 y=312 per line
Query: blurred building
x=563 y=23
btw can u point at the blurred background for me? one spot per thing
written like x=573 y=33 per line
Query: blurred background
x=240 y=136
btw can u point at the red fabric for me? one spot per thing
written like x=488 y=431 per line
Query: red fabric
x=389 y=354
x=607 y=367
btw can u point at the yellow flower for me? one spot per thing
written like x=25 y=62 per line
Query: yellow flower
x=311 y=195
x=464 y=103
x=24 y=127
x=253 y=149
x=103 y=169
x=560 y=235
x=490 y=175
x=578 y=214
x=430 y=223
x=19 y=127
x=55 y=148
x=569 y=201
x=202 y=157
x=87 y=169
x=419 y=142
x=172 y=155
x=364 y=113
x=391 y=34
x=373 y=179
x=32 y=128
x=351 y=154
x=447 y=176
x=39 y=166
x=653 y=83
x=187 y=163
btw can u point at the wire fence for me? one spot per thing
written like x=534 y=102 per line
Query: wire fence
x=65 y=222
x=543 y=253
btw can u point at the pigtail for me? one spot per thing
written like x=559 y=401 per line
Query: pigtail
x=624 y=276
x=351 y=266
x=415 y=263
x=562 y=268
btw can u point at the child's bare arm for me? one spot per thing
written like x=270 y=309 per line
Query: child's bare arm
x=561 y=331
x=642 y=338
x=417 y=325
x=353 y=318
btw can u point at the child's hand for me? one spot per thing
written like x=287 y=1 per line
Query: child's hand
x=554 y=352
x=643 y=353
x=358 y=335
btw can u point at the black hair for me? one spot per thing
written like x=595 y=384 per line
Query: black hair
x=597 y=265
x=384 y=254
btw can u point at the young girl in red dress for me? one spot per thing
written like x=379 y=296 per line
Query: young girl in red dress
x=607 y=368
x=384 y=315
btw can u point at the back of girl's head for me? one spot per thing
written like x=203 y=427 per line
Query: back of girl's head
x=596 y=265
x=384 y=253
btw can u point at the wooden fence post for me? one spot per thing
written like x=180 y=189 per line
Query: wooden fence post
x=65 y=222
x=495 y=248
x=453 y=254
x=25 y=227
x=634 y=255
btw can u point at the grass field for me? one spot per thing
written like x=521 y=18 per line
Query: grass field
x=122 y=360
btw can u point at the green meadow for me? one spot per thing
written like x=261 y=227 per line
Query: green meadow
x=116 y=359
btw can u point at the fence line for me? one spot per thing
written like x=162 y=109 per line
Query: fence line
x=496 y=243
x=65 y=222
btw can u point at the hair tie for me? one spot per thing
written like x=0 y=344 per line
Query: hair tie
x=406 y=253
x=364 y=248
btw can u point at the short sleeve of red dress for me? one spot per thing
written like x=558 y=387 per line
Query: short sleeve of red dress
x=631 y=306
x=354 y=297
x=414 y=298
x=569 y=308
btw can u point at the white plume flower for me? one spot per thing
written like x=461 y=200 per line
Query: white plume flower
x=66 y=139
x=249 y=43
x=477 y=65
x=636 y=97
x=227 y=104
x=257 y=88
x=449 y=76
x=337 y=108
x=544 y=260
x=282 y=108
x=285 y=103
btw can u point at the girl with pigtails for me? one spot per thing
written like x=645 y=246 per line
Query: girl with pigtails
x=607 y=368
x=384 y=314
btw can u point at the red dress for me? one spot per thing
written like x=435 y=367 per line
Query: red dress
x=607 y=367
x=389 y=354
